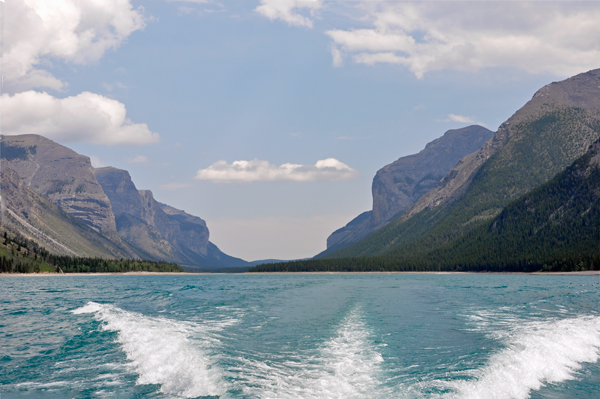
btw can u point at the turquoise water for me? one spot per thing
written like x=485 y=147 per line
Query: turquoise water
x=300 y=336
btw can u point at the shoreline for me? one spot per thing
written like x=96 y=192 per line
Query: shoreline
x=580 y=273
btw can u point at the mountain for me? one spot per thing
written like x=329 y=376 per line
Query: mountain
x=539 y=141
x=163 y=232
x=47 y=224
x=397 y=186
x=551 y=228
x=54 y=197
x=555 y=222
x=61 y=175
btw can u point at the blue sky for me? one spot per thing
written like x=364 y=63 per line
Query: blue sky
x=204 y=101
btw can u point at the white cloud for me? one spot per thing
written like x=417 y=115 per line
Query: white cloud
x=560 y=38
x=290 y=11
x=460 y=118
x=70 y=30
x=256 y=170
x=87 y=117
x=139 y=159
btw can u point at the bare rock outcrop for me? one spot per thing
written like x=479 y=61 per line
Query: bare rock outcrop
x=160 y=230
x=62 y=175
x=40 y=220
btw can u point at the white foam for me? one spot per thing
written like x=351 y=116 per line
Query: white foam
x=344 y=367
x=163 y=351
x=537 y=353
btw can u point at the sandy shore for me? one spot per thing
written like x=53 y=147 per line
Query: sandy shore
x=582 y=273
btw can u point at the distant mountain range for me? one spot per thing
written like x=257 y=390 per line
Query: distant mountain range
x=469 y=220
x=53 y=196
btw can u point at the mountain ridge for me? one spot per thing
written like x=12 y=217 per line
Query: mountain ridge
x=397 y=186
x=96 y=212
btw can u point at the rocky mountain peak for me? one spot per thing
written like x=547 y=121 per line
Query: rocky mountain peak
x=62 y=175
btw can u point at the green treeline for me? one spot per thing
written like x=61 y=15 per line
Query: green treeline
x=20 y=255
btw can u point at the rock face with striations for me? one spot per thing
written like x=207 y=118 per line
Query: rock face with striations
x=61 y=175
x=40 y=220
x=138 y=216
x=397 y=186
x=159 y=230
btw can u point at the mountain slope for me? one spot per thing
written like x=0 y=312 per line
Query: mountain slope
x=63 y=176
x=557 y=221
x=40 y=220
x=397 y=186
x=553 y=228
x=163 y=232
x=540 y=140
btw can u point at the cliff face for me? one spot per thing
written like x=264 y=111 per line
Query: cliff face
x=397 y=186
x=42 y=221
x=61 y=175
x=549 y=106
x=55 y=197
x=159 y=230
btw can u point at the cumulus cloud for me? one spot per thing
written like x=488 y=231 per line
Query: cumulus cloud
x=87 y=117
x=560 y=38
x=290 y=11
x=69 y=30
x=329 y=169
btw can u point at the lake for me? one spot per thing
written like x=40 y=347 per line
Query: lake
x=300 y=336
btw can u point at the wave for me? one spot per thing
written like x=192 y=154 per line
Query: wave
x=344 y=367
x=163 y=351
x=536 y=353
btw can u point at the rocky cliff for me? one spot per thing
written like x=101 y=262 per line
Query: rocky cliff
x=158 y=229
x=55 y=197
x=397 y=186
x=40 y=220
x=61 y=175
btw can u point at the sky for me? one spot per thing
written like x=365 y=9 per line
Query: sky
x=269 y=118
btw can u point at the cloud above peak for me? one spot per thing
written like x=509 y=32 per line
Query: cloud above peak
x=87 y=117
x=329 y=169
x=560 y=38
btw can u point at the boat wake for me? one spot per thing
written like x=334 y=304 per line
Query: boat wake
x=188 y=360
x=170 y=353
x=346 y=366
x=536 y=353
